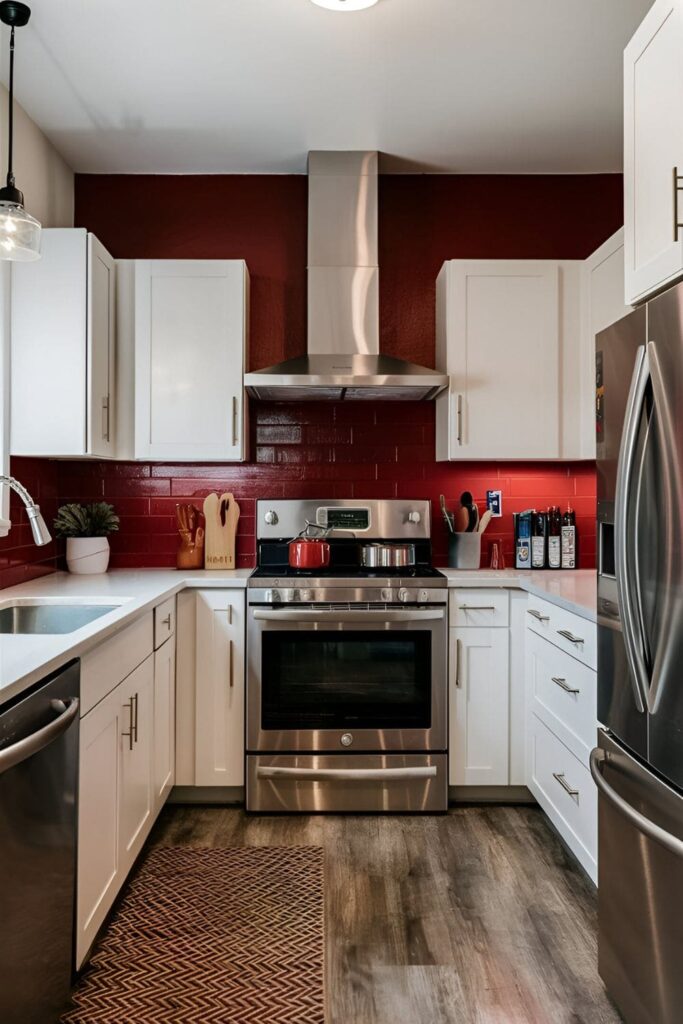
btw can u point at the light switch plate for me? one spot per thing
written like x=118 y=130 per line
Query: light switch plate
x=494 y=502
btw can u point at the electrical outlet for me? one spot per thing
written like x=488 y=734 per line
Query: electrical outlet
x=494 y=502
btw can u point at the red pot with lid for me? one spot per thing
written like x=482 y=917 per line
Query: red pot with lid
x=307 y=552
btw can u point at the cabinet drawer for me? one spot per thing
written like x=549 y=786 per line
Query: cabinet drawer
x=566 y=792
x=563 y=693
x=110 y=663
x=564 y=629
x=479 y=607
x=164 y=622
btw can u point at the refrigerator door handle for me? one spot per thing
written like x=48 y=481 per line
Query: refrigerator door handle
x=625 y=475
x=648 y=828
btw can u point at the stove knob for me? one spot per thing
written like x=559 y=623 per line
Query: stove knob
x=414 y=517
x=346 y=739
x=272 y=596
x=271 y=517
x=424 y=596
x=306 y=595
x=386 y=595
x=404 y=595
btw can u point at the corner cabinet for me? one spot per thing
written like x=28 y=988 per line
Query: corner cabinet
x=63 y=349
x=653 y=152
x=183 y=328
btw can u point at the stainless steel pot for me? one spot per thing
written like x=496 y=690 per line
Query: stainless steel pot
x=387 y=556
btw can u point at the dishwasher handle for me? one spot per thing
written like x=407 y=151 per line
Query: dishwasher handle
x=37 y=741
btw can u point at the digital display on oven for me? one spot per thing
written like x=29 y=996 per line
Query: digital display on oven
x=355 y=519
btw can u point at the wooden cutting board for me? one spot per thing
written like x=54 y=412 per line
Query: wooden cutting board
x=221 y=515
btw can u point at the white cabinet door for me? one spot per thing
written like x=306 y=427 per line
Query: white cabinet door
x=479 y=707
x=603 y=304
x=498 y=336
x=653 y=149
x=219 y=714
x=63 y=348
x=190 y=326
x=98 y=809
x=164 y=721
x=135 y=807
x=101 y=349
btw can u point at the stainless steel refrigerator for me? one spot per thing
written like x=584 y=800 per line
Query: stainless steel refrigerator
x=638 y=763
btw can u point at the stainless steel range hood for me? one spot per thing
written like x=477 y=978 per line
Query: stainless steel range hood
x=343 y=359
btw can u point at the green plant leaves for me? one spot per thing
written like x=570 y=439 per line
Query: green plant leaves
x=96 y=520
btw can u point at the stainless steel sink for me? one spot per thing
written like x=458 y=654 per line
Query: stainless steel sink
x=50 y=618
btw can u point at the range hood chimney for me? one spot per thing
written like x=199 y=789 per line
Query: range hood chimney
x=343 y=360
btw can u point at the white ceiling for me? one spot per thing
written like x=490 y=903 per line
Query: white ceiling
x=244 y=86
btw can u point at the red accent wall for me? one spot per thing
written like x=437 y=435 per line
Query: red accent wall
x=311 y=449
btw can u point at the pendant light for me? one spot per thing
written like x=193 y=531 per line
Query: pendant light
x=345 y=5
x=19 y=231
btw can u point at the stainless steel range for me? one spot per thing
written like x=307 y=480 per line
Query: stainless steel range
x=347 y=664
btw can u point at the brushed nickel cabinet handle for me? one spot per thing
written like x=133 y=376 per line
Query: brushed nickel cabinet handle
x=457 y=664
x=230 y=615
x=232 y=661
x=105 y=418
x=234 y=421
x=477 y=607
x=570 y=637
x=460 y=419
x=562 y=683
x=130 y=734
x=167 y=621
x=137 y=710
x=678 y=185
x=538 y=615
x=573 y=793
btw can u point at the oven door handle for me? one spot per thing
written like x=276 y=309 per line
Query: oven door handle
x=347 y=774
x=378 y=616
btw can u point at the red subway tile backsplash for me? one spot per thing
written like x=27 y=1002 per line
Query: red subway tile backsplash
x=319 y=450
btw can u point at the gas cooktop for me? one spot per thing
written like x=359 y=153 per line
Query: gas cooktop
x=346 y=572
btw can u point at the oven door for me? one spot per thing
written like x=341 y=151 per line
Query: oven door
x=358 y=679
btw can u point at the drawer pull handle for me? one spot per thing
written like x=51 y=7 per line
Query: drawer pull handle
x=167 y=621
x=538 y=615
x=459 y=414
x=678 y=185
x=457 y=664
x=573 y=793
x=477 y=607
x=562 y=683
x=578 y=640
x=131 y=726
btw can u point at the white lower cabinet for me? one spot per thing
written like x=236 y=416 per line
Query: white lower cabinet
x=126 y=770
x=135 y=804
x=479 y=707
x=164 y=722
x=561 y=703
x=219 y=688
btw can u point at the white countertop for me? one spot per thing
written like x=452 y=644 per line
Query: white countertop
x=25 y=660
x=572 y=589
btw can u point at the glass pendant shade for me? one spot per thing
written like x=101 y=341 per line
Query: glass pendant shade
x=345 y=5
x=19 y=234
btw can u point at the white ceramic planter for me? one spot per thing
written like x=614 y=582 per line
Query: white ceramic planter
x=85 y=555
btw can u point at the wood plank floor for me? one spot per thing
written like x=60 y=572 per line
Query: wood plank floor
x=476 y=917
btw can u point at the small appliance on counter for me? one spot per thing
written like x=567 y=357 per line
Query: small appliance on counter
x=346 y=660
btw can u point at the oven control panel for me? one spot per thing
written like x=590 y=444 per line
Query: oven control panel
x=277 y=595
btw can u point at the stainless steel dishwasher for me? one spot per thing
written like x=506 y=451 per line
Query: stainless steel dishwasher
x=38 y=789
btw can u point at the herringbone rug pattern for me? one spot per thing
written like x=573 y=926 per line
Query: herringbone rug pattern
x=212 y=936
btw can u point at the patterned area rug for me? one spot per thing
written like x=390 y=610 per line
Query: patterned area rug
x=212 y=936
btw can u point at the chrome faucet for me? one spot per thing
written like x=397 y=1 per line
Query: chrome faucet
x=41 y=534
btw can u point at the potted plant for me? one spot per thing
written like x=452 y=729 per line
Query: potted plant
x=86 y=528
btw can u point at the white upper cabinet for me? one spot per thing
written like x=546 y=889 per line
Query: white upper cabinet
x=498 y=336
x=603 y=304
x=63 y=349
x=183 y=339
x=653 y=151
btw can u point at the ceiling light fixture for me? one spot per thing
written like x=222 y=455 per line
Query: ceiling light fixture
x=19 y=231
x=345 y=5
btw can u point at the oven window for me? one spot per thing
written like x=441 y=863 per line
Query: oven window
x=326 y=680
